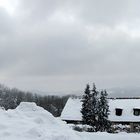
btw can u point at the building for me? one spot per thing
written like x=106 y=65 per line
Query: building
x=122 y=111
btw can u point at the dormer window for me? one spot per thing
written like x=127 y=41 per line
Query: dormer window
x=118 y=111
x=136 y=112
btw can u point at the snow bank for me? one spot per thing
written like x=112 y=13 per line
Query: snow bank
x=30 y=122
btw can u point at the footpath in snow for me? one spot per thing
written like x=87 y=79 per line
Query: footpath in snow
x=30 y=122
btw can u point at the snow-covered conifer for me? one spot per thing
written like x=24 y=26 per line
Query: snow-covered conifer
x=86 y=106
x=103 y=112
x=94 y=108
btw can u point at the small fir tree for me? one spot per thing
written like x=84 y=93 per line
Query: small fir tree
x=103 y=112
x=86 y=106
x=94 y=108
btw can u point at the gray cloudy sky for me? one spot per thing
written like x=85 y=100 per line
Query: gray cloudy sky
x=60 y=45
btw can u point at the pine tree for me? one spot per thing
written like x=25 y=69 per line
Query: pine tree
x=86 y=106
x=94 y=108
x=103 y=112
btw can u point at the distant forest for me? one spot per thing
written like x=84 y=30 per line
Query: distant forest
x=11 y=98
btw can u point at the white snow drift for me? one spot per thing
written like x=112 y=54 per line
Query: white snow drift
x=30 y=122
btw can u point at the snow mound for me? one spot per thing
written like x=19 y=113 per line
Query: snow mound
x=26 y=106
x=31 y=122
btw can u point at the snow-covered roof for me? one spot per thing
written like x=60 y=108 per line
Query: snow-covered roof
x=73 y=106
x=127 y=106
x=72 y=109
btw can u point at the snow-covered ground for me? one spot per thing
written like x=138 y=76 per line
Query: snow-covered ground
x=30 y=122
x=107 y=136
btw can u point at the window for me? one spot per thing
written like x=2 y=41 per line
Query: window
x=118 y=111
x=136 y=112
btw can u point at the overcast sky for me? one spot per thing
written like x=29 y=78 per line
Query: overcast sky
x=60 y=45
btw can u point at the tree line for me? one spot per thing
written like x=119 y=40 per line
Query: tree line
x=11 y=98
x=95 y=109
